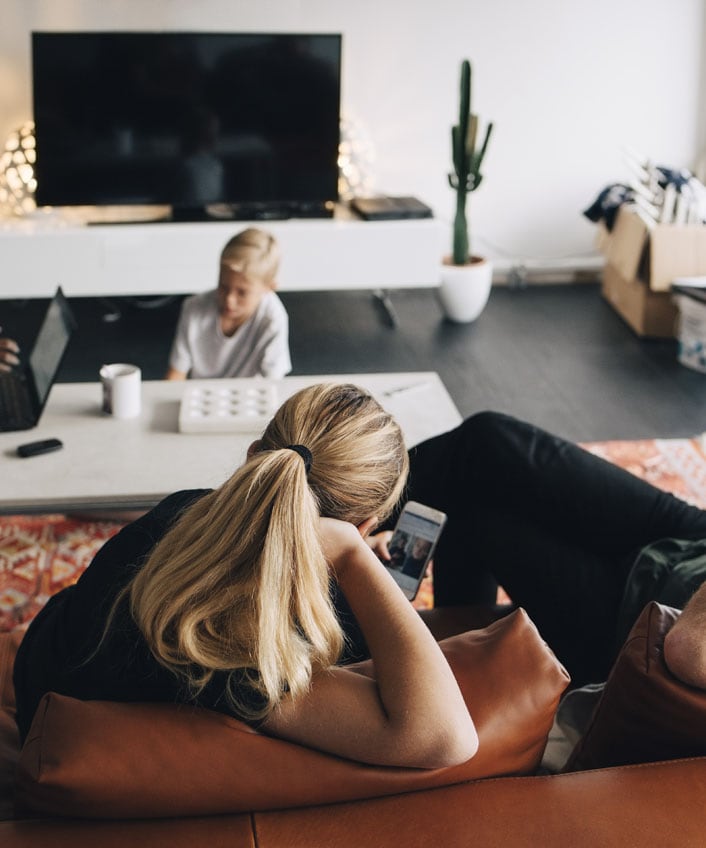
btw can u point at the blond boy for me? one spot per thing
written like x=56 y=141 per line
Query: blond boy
x=240 y=329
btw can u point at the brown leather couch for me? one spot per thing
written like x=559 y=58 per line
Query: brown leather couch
x=106 y=774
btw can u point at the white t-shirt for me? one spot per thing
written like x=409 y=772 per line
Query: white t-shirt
x=259 y=348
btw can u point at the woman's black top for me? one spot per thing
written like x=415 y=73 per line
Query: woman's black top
x=58 y=652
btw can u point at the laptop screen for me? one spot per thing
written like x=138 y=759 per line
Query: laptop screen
x=49 y=347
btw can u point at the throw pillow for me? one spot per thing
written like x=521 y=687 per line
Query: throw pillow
x=644 y=714
x=112 y=760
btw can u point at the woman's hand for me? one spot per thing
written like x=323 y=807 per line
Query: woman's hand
x=379 y=545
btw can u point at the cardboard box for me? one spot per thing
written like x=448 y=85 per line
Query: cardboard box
x=649 y=313
x=641 y=263
x=656 y=254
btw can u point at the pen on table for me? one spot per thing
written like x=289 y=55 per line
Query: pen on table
x=404 y=389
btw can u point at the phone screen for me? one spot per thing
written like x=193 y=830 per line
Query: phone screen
x=412 y=546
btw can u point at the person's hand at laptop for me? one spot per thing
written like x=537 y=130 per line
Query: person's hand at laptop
x=8 y=353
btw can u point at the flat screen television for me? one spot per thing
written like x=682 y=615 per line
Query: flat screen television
x=189 y=120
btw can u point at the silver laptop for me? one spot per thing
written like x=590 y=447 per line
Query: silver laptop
x=24 y=390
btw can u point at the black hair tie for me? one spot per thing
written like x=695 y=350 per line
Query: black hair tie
x=304 y=453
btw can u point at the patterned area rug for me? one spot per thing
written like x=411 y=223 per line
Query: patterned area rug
x=675 y=465
x=39 y=555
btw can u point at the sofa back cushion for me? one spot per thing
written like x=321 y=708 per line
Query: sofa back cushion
x=98 y=759
x=644 y=714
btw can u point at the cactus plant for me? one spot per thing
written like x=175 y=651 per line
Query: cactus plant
x=467 y=161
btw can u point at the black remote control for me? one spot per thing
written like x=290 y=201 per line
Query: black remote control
x=35 y=448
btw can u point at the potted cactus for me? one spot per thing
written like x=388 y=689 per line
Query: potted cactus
x=465 y=279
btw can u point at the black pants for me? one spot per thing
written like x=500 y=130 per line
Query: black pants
x=557 y=527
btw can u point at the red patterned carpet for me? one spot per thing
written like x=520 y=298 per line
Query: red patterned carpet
x=676 y=465
x=41 y=554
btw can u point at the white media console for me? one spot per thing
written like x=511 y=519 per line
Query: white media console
x=344 y=252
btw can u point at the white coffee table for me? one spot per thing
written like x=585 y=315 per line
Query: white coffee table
x=111 y=464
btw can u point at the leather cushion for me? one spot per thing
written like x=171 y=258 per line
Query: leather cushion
x=9 y=737
x=99 y=759
x=645 y=714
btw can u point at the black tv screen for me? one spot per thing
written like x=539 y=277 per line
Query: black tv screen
x=186 y=119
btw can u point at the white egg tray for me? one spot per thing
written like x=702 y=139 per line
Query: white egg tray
x=220 y=407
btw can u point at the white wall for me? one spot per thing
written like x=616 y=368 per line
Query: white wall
x=567 y=83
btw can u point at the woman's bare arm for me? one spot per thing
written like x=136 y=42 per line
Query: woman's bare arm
x=412 y=713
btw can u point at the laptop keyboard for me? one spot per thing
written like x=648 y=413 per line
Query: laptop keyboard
x=14 y=403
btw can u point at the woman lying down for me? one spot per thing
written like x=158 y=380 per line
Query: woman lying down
x=249 y=598
x=223 y=599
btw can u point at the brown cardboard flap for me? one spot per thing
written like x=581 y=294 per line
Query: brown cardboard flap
x=676 y=251
x=654 y=255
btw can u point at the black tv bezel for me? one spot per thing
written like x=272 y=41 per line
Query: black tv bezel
x=227 y=207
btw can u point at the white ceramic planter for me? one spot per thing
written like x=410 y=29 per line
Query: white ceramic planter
x=464 y=289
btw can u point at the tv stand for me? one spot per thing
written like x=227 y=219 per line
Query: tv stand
x=274 y=211
x=160 y=258
x=111 y=215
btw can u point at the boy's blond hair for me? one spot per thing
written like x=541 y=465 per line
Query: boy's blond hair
x=252 y=252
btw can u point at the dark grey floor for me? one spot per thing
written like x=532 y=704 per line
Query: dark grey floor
x=555 y=355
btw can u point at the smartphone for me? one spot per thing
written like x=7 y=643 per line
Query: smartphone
x=412 y=545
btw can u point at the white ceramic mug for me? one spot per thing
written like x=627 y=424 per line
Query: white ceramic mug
x=122 y=390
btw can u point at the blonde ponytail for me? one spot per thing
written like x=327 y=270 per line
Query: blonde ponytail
x=239 y=584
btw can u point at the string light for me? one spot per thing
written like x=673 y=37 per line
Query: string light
x=17 y=181
x=356 y=157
